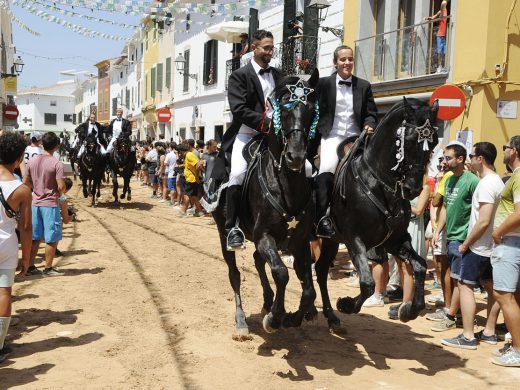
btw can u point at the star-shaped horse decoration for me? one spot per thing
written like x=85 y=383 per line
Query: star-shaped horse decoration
x=299 y=92
x=293 y=223
x=425 y=134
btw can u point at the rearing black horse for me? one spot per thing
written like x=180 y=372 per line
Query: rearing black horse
x=370 y=204
x=277 y=210
x=122 y=161
x=92 y=167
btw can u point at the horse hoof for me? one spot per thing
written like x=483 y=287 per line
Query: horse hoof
x=123 y=196
x=336 y=328
x=311 y=314
x=85 y=194
x=346 y=305
x=129 y=198
x=242 y=334
x=407 y=312
x=264 y=311
x=266 y=323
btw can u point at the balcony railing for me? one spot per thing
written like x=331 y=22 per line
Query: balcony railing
x=296 y=56
x=402 y=53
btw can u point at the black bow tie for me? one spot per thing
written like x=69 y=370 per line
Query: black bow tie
x=119 y=120
x=262 y=71
x=343 y=82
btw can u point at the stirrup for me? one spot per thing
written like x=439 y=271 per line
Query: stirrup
x=236 y=230
x=322 y=219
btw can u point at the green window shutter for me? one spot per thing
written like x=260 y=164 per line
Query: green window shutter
x=146 y=87
x=168 y=79
x=152 y=80
x=159 y=77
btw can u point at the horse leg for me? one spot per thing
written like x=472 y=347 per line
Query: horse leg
x=302 y=265
x=115 y=187
x=329 y=250
x=85 y=187
x=366 y=283
x=410 y=310
x=93 y=204
x=267 y=290
x=266 y=246
x=126 y=185
x=241 y=328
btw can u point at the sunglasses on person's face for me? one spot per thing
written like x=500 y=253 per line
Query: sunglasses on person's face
x=472 y=155
x=267 y=49
x=505 y=147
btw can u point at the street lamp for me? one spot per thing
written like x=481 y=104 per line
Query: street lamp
x=322 y=7
x=180 y=65
x=17 y=68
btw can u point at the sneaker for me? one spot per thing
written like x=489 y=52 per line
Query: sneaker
x=460 y=342
x=439 y=315
x=288 y=260
x=493 y=339
x=58 y=253
x=503 y=350
x=509 y=359
x=375 y=300
x=395 y=295
x=434 y=286
x=52 y=272
x=153 y=196
x=445 y=324
x=161 y=201
x=32 y=271
x=393 y=313
x=437 y=300
x=198 y=214
x=4 y=352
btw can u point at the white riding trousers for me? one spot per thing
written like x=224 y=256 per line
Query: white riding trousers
x=328 y=153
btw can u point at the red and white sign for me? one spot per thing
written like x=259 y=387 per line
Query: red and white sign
x=164 y=114
x=11 y=112
x=452 y=101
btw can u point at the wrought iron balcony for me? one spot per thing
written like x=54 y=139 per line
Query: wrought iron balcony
x=402 y=53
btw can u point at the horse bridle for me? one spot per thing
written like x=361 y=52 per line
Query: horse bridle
x=276 y=124
x=425 y=135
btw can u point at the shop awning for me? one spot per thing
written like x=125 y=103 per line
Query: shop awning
x=228 y=31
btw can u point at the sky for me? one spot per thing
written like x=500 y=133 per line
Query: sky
x=56 y=41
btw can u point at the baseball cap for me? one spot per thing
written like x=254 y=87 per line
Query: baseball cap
x=36 y=135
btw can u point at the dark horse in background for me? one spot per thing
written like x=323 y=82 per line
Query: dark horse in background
x=92 y=167
x=370 y=204
x=122 y=162
x=277 y=209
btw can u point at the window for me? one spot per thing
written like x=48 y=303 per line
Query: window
x=68 y=117
x=168 y=78
x=121 y=75
x=127 y=98
x=152 y=81
x=188 y=22
x=201 y=133
x=53 y=103
x=114 y=106
x=159 y=77
x=186 y=78
x=80 y=117
x=146 y=39
x=210 y=62
x=49 y=119
x=146 y=86
x=219 y=133
x=182 y=133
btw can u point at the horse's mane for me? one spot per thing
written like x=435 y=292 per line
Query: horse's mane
x=413 y=103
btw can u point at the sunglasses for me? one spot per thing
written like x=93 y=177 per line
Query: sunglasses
x=267 y=48
x=472 y=155
x=505 y=147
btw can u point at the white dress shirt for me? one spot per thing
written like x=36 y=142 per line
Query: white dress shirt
x=116 y=127
x=92 y=126
x=344 y=121
x=267 y=83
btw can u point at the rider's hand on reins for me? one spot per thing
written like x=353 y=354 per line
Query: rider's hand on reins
x=369 y=130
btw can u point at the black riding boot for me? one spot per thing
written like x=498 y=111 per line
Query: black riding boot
x=235 y=236
x=324 y=227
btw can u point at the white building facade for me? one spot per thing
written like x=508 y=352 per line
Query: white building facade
x=48 y=108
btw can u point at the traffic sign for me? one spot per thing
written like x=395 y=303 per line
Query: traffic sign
x=452 y=101
x=164 y=114
x=10 y=112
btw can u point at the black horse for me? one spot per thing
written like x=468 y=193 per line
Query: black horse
x=92 y=167
x=370 y=204
x=277 y=211
x=122 y=161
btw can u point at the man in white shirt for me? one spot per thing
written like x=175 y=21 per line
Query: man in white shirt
x=476 y=250
x=118 y=127
x=35 y=148
x=91 y=127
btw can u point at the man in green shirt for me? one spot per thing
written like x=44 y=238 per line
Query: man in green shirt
x=455 y=215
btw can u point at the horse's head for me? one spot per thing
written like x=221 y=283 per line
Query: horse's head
x=123 y=145
x=415 y=138
x=295 y=117
x=91 y=145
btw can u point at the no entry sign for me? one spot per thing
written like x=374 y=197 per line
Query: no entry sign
x=10 y=112
x=452 y=101
x=164 y=114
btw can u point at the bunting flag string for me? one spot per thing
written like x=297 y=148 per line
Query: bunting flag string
x=73 y=14
x=5 y=6
x=71 y=26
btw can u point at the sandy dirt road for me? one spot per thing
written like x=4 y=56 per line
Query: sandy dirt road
x=145 y=303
